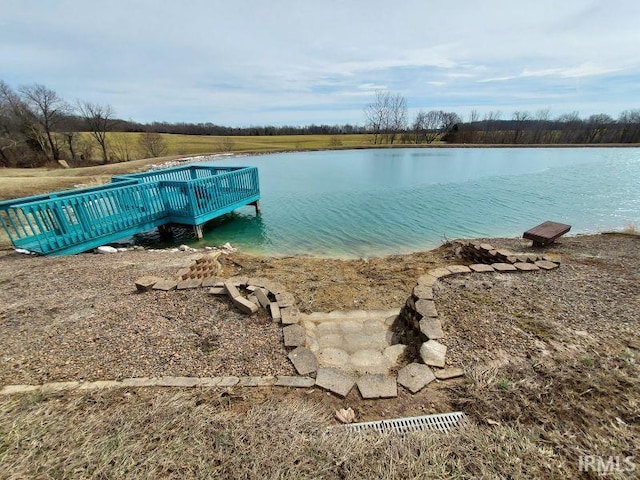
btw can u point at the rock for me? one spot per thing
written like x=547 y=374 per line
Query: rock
x=422 y=292
x=487 y=246
x=144 y=284
x=433 y=353
x=335 y=381
x=106 y=249
x=427 y=280
x=426 y=308
x=285 y=299
x=546 y=265
x=237 y=281
x=481 y=267
x=346 y=415
x=165 y=285
x=447 y=373
x=294 y=336
x=303 y=360
x=431 y=327
x=254 y=299
x=274 y=310
x=189 y=283
x=456 y=269
x=289 y=315
x=415 y=376
x=526 y=267
x=394 y=352
x=262 y=298
x=377 y=386
x=245 y=305
x=503 y=267
x=294 y=382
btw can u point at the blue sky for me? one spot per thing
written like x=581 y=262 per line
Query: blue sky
x=249 y=62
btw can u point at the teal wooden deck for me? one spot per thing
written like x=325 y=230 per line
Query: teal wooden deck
x=74 y=221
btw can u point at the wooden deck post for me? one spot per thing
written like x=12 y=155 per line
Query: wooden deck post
x=257 y=205
x=198 y=231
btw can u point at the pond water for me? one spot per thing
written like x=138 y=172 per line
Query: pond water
x=362 y=203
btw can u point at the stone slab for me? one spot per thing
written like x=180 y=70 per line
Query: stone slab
x=393 y=353
x=232 y=290
x=335 y=381
x=432 y=328
x=433 y=353
x=265 y=381
x=274 y=310
x=546 y=265
x=244 y=305
x=230 y=381
x=139 y=382
x=481 y=268
x=377 y=386
x=427 y=280
x=217 y=290
x=285 y=299
x=504 y=267
x=165 y=285
x=262 y=298
x=415 y=376
x=457 y=269
x=423 y=292
x=294 y=336
x=238 y=281
x=189 y=283
x=208 y=381
x=426 y=308
x=303 y=360
x=144 y=284
x=487 y=246
x=439 y=272
x=447 y=373
x=334 y=357
x=294 y=382
x=177 y=382
x=289 y=315
x=526 y=267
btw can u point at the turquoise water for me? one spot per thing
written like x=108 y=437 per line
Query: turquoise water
x=361 y=203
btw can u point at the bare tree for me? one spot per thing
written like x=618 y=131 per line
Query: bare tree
x=519 y=120
x=47 y=110
x=386 y=116
x=99 y=120
x=152 y=144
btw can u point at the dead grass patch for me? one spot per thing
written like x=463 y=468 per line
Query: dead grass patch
x=191 y=434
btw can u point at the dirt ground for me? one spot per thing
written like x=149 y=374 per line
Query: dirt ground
x=550 y=357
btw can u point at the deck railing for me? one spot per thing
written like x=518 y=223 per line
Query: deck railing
x=76 y=220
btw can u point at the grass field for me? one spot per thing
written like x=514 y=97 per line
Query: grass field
x=20 y=182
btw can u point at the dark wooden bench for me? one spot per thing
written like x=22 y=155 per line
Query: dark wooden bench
x=546 y=233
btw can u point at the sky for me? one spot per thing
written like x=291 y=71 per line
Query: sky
x=301 y=62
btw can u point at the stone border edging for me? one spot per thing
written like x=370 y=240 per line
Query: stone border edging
x=289 y=381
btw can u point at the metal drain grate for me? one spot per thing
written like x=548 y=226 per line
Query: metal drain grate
x=442 y=422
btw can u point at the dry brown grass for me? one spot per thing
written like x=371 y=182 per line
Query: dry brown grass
x=200 y=434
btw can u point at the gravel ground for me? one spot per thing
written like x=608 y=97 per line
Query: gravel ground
x=80 y=318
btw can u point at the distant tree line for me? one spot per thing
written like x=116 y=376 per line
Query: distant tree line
x=37 y=127
x=386 y=118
